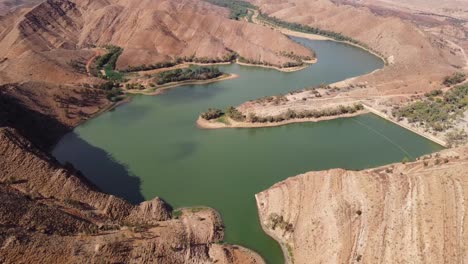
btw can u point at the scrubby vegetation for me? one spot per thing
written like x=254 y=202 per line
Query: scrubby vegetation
x=437 y=110
x=295 y=57
x=212 y=113
x=239 y=9
x=235 y=114
x=454 y=79
x=107 y=63
x=113 y=91
x=229 y=57
x=456 y=137
x=291 y=114
x=277 y=221
x=134 y=86
x=194 y=73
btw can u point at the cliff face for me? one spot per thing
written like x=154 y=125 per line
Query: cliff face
x=50 y=214
x=394 y=214
x=417 y=60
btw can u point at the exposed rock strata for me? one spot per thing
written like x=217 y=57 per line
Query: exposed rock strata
x=399 y=213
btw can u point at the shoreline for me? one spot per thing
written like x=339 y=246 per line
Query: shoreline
x=289 y=69
x=420 y=133
x=289 y=32
x=208 y=124
x=164 y=87
x=284 y=249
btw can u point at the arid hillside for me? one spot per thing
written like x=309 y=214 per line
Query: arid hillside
x=446 y=19
x=417 y=60
x=401 y=213
x=50 y=214
x=47 y=37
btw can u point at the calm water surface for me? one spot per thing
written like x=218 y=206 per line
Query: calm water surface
x=152 y=147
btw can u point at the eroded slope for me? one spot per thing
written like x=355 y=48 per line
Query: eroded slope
x=399 y=213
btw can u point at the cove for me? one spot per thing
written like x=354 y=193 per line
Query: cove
x=152 y=147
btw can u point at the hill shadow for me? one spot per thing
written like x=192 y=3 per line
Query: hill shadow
x=100 y=168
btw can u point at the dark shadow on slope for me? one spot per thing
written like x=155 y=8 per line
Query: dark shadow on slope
x=40 y=129
x=100 y=168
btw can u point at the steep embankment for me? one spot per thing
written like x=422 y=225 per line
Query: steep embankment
x=50 y=214
x=417 y=60
x=399 y=213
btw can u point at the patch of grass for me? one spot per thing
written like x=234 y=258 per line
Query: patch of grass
x=223 y=119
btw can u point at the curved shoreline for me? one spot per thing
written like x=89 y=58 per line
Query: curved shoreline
x=311 y=36
x=214 y=124
x=162 y=88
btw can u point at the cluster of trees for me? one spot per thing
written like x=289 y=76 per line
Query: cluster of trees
x=232 y=112
x=455 y=78
x=254 y=62
x=291 y=114
x=235 y=114
x=436 y=112
x=212 y=113
x=107 y=63
x=294 y=56
x=239 y=9
x=229 y=57
x=113 y=91
x=194 y=73
x=134 y=86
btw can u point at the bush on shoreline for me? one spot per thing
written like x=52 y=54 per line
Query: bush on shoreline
x=212 y=113
x=195 y=73
x=113 y=91
x=235 y=114
x=291 y=114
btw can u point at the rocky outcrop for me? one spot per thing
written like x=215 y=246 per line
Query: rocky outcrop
x=399 y=213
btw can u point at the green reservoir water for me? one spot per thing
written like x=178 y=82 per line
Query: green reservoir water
x=152 y=147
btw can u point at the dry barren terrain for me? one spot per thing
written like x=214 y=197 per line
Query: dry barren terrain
x=401 y=213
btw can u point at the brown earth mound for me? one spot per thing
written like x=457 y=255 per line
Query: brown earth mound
x=394 y=214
